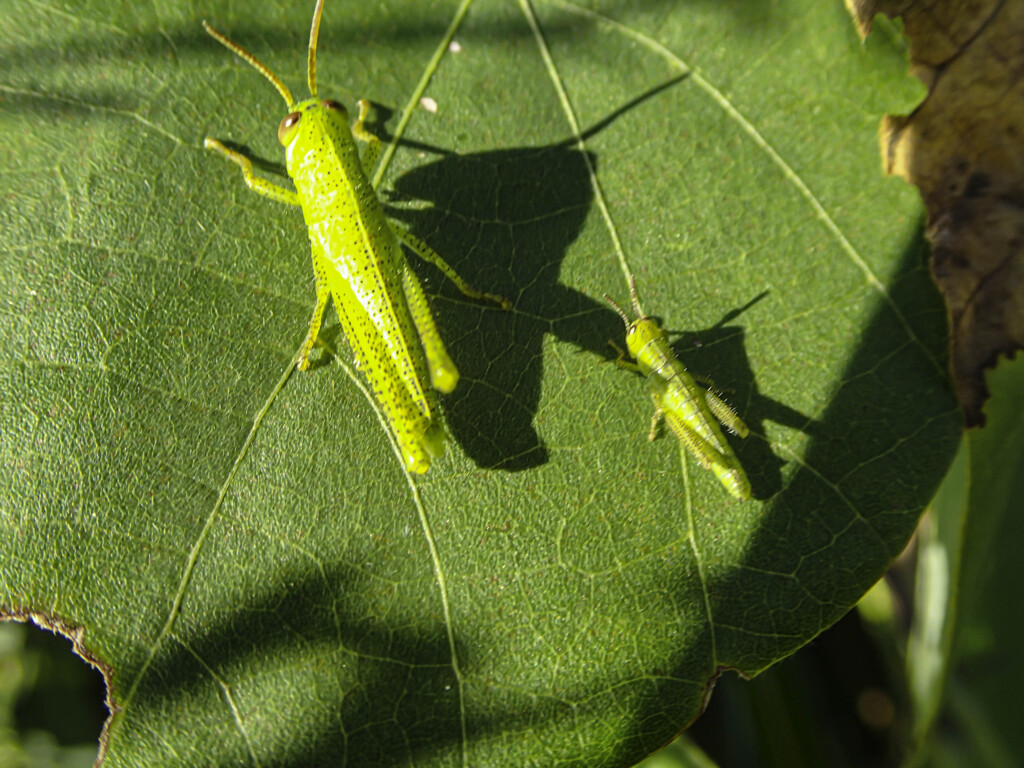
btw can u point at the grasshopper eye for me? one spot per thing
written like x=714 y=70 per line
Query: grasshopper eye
x=284 y=130
x=332 y=104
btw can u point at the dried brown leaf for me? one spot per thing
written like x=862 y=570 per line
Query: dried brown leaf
x=962 y=147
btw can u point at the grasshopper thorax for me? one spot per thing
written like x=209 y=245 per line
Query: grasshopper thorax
x=316 y=139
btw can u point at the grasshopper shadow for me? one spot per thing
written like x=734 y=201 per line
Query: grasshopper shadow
x=504 y=220
x=355 y=664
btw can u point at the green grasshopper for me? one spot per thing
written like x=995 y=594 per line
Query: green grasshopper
x=358 y=261
x=689 y=410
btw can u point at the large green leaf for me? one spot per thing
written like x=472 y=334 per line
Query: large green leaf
x=239 y=543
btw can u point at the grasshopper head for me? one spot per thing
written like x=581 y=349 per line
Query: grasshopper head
x=640 y=333
x=289 y=127
x=310 y=111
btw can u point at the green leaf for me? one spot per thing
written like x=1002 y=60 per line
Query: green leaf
x=240 y=544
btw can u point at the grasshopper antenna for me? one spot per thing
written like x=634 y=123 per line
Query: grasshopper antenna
x=314 y=34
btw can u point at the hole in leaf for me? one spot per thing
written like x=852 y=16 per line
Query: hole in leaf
x=52 y=706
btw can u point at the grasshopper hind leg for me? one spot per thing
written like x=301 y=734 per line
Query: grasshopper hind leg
x=726 y=414
x=420 y=445
x=722 y=463
x=418 y=433
x=443 y=373
x=427 y=253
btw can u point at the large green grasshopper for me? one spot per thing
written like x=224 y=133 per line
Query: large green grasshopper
x=357 y=259
x=689 y=410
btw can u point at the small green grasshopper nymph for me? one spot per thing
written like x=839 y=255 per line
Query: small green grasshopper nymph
x=689 y=410
x=358 y=261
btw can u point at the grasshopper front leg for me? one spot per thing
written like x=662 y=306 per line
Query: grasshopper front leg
x=622 y=361
x=373 y=147
x=254 y=182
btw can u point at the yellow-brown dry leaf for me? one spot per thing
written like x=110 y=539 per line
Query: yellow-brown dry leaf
x=963 y=147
